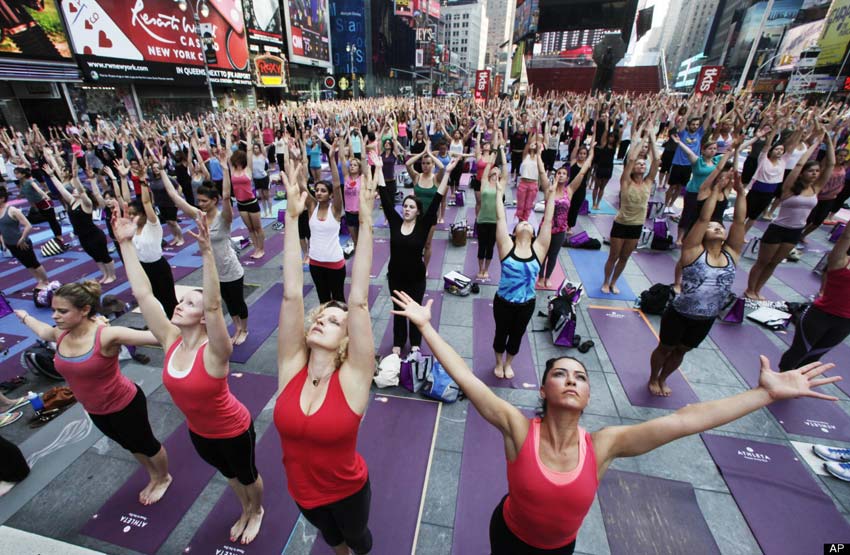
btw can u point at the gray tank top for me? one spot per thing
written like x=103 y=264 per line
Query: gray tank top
x=226 y=261
x=794 y=210
x=10 y=229
x=705 y=288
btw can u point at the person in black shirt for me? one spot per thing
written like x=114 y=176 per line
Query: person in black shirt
x=603 y=162
x=184 y=179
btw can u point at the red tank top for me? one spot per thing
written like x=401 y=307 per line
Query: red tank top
x=545 y=508
x=96 y=380
x=211 y=410
x=242 y=190
x=319 y=451
x=836 y=293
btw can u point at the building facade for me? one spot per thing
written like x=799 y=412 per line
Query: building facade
x=464 y=32
x=500 y=25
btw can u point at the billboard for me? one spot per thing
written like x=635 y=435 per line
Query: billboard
x=781 y=15
x=707 y=81
x=262 y=19
x=307 y=23
x=154 y=41
x=836 y=33
x=526 y=18
x=810 y=83
x=33 y=31
x=348 y=27
x=404 y=8
x=795 y=41
x=482 y=84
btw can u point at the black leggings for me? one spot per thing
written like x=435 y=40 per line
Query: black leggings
x=232 y=456
x=14 y=467
x=162 y=284
x=345 y=521
x=624 y=148
x=486 y=241
x=49 y=215
x=575 y=205
x=130 y=427
x=505 y=542
x=816 y=333
x=329 y=283
x=233 y=295
x=416 y=289
x=511 y=321
x=551 y=261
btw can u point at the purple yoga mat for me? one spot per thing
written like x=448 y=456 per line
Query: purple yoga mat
x=8 y=340
x=123 y=521
x=177 y=273
x=280 y=516
x=783 y=506
x=273 y=247
x=374 y=291
x=11 y=367
x=380 y=256
x=804 y=416
x=449 y=218
x=438 y=254
x=633 y=505
x=263 y=318
x=436 y=309
x=483 y=357
x=11 y=280
x=629 y=342
x=395 y=439
x=70 y=275
x=802 y=280
x=470 y=264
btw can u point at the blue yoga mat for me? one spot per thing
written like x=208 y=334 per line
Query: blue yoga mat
x=604 y=208
x=590 y=266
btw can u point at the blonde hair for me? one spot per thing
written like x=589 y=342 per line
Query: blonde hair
x=310 y=319
x=82 y=294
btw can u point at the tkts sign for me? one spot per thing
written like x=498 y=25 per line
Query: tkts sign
x=709 y=76
x=482 y=84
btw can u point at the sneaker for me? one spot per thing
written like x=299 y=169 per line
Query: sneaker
x=794 y=255
x=840 y=470
x=835 y=454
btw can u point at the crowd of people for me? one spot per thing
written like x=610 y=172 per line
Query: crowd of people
x=558 y=148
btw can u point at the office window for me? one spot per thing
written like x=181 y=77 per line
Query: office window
x=465 y=24
x=466 y=16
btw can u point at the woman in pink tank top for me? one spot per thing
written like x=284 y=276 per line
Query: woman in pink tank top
x=87 y=357
x=197 y=363
x=553 y=465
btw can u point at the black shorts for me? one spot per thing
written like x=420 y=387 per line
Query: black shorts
x=233 y=295
x=505 y=542
x=167 y=213
x=304 y=225
x=27 y=256
x=261 y=183
x=516 y=161
x=757 y=202
x=678 y=330
x=666 y=161
x=819 y=213
x=604 y=172
x=776 y=234
x=232 y=456
x=475 y=184
x=130 y=427
x=249 y=206
x=623 y=231
x=679 y=175
x=352 y=219
x=345 y=521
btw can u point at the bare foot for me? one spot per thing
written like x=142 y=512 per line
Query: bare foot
x=179 y=243
x=253 y=527
x=615 y=290
x=486 y=275
x=100 y=279
x=5 y=487
x=397 y=351
x=605 y=289
x=509 y=372
x=595 y=207
x=750 y=295
x=110 y=279
x=158 y=489
x=665 y=389
x=441 y=221
x=677 y=288
x=258 y=254
x=655 y=388
x=538 y=284
x=172 y=243
x=238 y=528
x=240 y=337
x=547 y=284
x=499 y=371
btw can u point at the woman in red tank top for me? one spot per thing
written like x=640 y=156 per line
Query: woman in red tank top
x=324 y=376
x=553 y=465
x=87 y=357
x=197 y=362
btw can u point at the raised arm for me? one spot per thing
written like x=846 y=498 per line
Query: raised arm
x=504 y=243
x=737 y=231
x=219 y=348
x=45 y=332
x=178 y=199
x=828 y=164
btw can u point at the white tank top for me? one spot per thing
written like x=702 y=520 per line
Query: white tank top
x=324 y=238
x=528 y=169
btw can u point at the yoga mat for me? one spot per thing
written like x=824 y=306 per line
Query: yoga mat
x=438 y=254
x=784 y=507
x=558 y=277
x=657 y=266
x=449 y=218
x=629 y=341
x=380 y=256
x=381 y=220
x=177 y=273
x=374 y=291
x=123 y=521
x=470 y=263
x=635 y=507
x=20 y=275
x=8 y=340
x=10 y=368
x=397 y=441
x=803 y=416
x=281 y=512
x=70 y=275
x=802 y=280
x=386 y=346
x=483 y=359
x=273 y=247
x=838 y=355
x=604 y=208
x=590 y=266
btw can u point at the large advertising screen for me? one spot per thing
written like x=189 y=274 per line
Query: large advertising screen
x=308 y=25
x=153 y=40
x=795 y=41
x=526 y=18
x=781 y=15
x=348 y=28
x=33 y=30
x=836 y=33
x=262 y=18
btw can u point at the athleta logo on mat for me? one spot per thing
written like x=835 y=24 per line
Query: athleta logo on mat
x=750 y=454
x=614 y=315
x=132 y=520
x=225 y=550
x=825 y=427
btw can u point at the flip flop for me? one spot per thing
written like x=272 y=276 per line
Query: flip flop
x=10 y=417
x=22 y=402
x=586 y=346
x=12 y=384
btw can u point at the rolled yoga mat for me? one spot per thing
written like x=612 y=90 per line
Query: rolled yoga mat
x=438 y=255
x=590 y=266
x=483 y=357
x=629 y=341
x=801 y=279
x=123 y=521
x=397 y=440
x=634 y=507
x=386 y=346
x=784 y=507
x=804 y=416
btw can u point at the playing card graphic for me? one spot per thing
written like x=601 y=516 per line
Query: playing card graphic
x=95 y=33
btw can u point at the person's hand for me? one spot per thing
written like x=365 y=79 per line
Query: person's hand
x=796 y=383
x=123 y=227
x=368 y=193
x=203 y=234
x=296 y=199
x=108 y=171
x=23 y=244
x=418 y=315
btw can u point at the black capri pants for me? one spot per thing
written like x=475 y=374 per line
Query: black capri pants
x=511 y=321
x=548 y=266
x=575 y=205
x=329 y=283
x=130 y=427
x=415 y=287
x=94 y=245
x=505 y=542
x=232 y=456
x=816 y=333
x=345 y=521
x=233 y=294
x=162 y=284
x=25 y=256
x=486 y=240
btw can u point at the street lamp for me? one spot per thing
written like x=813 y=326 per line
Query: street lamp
x=352 y=50
x=201 y=9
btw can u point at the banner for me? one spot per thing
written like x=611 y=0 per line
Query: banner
x=836 y=33
x=153 y=40
x=795 y=41
x=482 y=84
x=526 y=18
x=348 y=27
x=33 y=33
x=308 y=25
x=810 y=83
x=707 y=80
x=262 y=19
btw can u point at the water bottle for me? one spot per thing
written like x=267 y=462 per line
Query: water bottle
x=35 y=401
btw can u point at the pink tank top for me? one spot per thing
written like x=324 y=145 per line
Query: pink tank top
x=242 y=190
x=351 y=194
x=545 y=508
x=96 y=380
x=211 y=410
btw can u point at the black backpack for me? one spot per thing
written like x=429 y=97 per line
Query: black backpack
x=39 y=360
x=654 y=300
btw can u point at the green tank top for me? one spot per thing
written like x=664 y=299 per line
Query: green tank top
x=487 y=212
x=425 y=195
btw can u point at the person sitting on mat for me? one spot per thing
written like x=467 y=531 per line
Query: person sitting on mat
x=197 y=350
x=87 y=357
x=799 y=196
x=554 y=466
x=324 y=376
x=825 y=323
x=709 y=258
x=635 y=188
x=513 y=305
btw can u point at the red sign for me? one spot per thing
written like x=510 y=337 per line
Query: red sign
x=482 y=84
x=270 y=71
x=709 y=76
x=330 y=82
